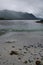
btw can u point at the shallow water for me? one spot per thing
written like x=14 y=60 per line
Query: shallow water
x=25 y=31
x=21 y=25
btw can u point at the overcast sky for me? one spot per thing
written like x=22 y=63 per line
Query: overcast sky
x=30 y=6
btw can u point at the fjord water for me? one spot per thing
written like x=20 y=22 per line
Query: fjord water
x=22 y=30
x=30 y=25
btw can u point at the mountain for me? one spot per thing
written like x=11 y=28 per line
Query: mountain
x=13 y=15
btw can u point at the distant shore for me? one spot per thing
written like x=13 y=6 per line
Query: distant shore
x=41 y=21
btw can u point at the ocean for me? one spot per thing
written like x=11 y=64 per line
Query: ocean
x=21 y=25
x=27 y=31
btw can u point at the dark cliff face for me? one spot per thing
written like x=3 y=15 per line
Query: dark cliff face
x=7 y=14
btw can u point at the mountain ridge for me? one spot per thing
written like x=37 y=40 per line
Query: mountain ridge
x=13 y=15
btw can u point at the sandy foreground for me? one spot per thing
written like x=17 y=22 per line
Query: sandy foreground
x=21 y=48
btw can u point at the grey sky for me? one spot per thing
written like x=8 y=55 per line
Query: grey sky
x=30 y=6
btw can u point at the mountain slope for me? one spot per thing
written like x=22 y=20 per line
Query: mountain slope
x=7 y=14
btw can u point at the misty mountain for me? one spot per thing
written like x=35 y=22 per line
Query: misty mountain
x=7 y=14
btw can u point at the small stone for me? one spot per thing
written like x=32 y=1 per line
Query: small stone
x=29 y=61
x=38 y=62
x=20 y=49
x=25 y=52
x=8 y=42
x=13 y=46
x=25 y=62
x=14 y=53
x=19 y=58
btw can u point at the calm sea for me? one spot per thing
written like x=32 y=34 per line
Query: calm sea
x=24 y=31
x=21 y=25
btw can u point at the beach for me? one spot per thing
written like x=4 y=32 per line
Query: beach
x=21 y=48
x=29 y=48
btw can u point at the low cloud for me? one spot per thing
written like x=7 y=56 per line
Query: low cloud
x=30 y=6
